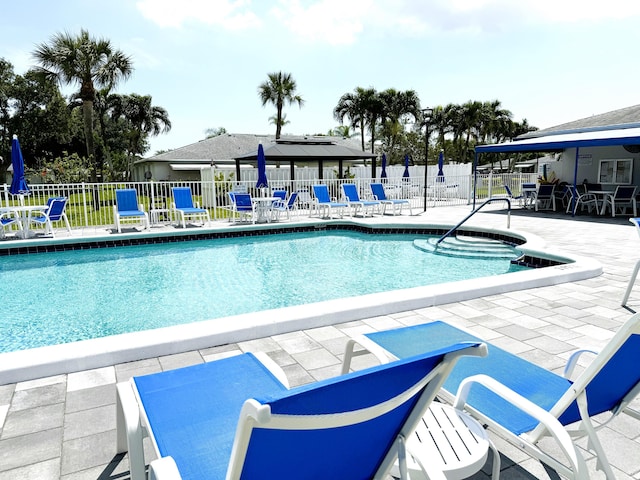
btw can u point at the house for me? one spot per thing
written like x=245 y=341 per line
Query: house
x=601 y=149
x=221 y=152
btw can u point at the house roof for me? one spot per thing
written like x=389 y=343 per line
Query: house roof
x=628 y=117
x=225 y=148
x=618 y=127
x=307 y=149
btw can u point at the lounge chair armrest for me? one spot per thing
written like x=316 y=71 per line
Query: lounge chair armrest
x=573 y=361
x=368 y=347
x=551 y=423
x=164 y=468
x=141 y=207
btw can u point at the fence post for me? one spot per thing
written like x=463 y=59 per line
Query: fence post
x=84 y=205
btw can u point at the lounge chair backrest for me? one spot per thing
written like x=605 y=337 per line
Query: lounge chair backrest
x=127 y=200
x=625 y=192
x=242 y=199
x=508 y=190
x=545 y=190
x=281 y=194
x=344 y=427
x=182 y=197
x=321 y=193
x=611 y=376
x=292 y=199
x=56 y=207
x=378 y=191
x=351 y=192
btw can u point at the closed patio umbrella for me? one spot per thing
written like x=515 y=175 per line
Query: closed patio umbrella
x=406 y=167
x=262 y=168
x=18 y=182
x=440 y=177
x=383 y=173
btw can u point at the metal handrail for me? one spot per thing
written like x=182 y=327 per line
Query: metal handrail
x=490 y=200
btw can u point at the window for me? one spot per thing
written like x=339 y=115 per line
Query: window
x=616 y=171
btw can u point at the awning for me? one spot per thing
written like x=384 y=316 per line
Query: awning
x=600 y=138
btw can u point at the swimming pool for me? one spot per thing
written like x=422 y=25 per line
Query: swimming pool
x=63 y=297
x=39 y=362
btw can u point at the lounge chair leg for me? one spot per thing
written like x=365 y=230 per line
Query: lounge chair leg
x=129 y=433
x=632 y=280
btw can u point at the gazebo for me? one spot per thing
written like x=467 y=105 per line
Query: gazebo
x=306 y=150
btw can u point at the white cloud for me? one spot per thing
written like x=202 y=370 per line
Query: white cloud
x=229 y=14
x=336 y=22
x=556 y=11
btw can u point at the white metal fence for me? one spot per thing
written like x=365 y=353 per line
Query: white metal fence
x=91 y=205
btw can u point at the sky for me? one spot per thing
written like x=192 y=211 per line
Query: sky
x=546 y=61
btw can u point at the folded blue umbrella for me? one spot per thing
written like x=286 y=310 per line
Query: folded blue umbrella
x=18 y=182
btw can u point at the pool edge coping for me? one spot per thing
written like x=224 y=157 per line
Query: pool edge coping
x=53 y=360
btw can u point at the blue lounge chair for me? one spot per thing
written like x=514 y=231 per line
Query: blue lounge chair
x=242 y=207
x=184 y=207
x=584 y=200
x=9 y=217
x=545 y=198
x=511 y=196
x=623 y=197
x=523 y=402
x=237 y=417
x=55 y=212
x=352 y=196
x=287 y=206
x=379 y=194
x=128 y=209
x=324 y=203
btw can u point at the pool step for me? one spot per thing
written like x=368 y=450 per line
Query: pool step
x=469 y=247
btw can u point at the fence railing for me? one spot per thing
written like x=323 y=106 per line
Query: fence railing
x=92 y=204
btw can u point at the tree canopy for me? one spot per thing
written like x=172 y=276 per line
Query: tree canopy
x=94 y=125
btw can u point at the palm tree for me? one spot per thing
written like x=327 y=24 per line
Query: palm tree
x=278 y=90
x=352 y=105
x=143 y=119
x=397 y=107
x=343 y=131
x=273 y=120
x=92 y=63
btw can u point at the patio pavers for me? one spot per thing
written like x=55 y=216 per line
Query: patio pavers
x=64 y=426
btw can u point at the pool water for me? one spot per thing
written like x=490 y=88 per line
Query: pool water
x=54 y=298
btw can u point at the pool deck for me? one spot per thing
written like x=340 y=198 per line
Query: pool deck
x=63 y=426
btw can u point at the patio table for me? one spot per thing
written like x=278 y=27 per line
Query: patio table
x=263 y=208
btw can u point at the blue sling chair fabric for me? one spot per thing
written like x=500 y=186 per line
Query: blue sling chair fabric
x=234 y=417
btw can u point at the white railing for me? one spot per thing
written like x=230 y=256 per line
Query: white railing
x=91 y=205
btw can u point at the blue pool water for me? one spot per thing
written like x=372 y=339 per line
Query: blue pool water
x=53 y=298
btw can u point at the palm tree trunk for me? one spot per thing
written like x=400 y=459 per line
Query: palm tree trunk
x=278 y=120
x=87 y=112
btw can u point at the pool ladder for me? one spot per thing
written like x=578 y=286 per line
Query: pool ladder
x=486 y=202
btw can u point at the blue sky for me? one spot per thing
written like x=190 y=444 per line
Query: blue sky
x=547 y=61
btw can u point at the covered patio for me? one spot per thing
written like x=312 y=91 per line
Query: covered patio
x=306 y=151
x=582 y=153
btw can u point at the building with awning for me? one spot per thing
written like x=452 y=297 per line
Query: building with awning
x=602 y=149
x=308 y=150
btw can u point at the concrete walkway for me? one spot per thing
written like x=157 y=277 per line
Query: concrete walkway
x=64 y=426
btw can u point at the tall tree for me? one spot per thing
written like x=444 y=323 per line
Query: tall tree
x=279 y=89
x=353 y=106
x=6 y=81
x=89 y=62
x=398 y=109
x=141 y=119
